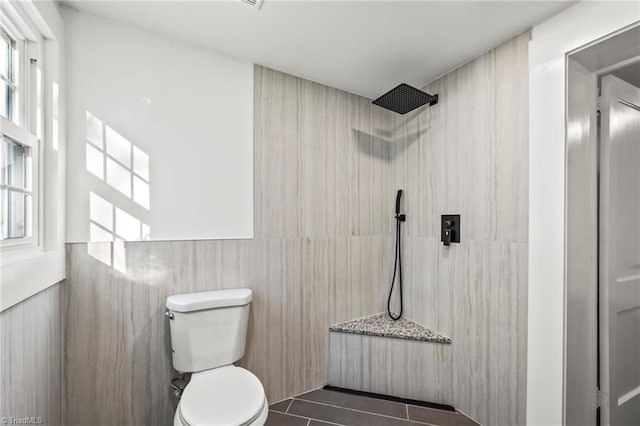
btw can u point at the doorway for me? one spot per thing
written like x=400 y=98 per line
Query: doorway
x=602 y=258
x=619 y=251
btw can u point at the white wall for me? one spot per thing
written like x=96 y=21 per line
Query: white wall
x=579 y=25
x=177 y=116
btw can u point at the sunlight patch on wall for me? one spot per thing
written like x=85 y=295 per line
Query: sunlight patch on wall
x=121 y=166
x=111 y=223
x=114 y=159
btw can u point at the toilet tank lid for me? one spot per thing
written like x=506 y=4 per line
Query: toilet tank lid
x=189 y=302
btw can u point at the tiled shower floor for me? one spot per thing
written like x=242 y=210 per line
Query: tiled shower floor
x=330 y=407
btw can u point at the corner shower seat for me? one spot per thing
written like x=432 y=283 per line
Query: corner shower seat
x=399 y=358
x=381 y=325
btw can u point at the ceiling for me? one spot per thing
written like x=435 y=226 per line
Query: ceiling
x=631 y=74
x=363 y=47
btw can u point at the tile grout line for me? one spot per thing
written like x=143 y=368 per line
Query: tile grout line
x=312 y=418
x=347 y=408
x=358 y=396
x=295 y=415
x=461 y=413
x=289 y=406
x=325 y=421
x=357 y=411
x=456 y=411
x=354 y=409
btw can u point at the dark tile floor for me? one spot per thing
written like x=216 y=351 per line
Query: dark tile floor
x=329 y=407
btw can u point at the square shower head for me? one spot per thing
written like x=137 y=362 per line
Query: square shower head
x=404 y=98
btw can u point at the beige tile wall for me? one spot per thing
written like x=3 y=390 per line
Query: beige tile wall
x=31 y=349
x=467 y=155
x=473 y=160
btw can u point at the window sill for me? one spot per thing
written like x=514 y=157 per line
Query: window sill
x=20 y=252
x=22 y=277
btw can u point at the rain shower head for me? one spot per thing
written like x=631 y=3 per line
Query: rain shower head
x=404 y=98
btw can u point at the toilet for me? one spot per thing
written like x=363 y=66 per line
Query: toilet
x=208 y=334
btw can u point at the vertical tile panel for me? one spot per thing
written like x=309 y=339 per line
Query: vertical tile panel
x=315 y=285
x=512 y=119
x=31 y=358
x=319 y=185
x=277 y=155
x=470 y=157
x=369 y=172
x=13 y=361
x=489 y=331
x=267 y=279
x=403 y=368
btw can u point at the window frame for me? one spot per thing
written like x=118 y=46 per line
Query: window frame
x=24 y=125
x=22 y=137
x=10 y=78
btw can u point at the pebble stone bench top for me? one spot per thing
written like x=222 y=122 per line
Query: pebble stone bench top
x=382 y=326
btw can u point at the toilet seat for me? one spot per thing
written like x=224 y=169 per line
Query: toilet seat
x=225 y=396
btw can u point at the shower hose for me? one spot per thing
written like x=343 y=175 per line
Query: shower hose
x=397 y=268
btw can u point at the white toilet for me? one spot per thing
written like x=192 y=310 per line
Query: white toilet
x=208 y=334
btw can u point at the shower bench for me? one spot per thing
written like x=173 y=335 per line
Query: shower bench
x=399 y=358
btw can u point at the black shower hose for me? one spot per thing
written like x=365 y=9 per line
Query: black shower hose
x=397 y=267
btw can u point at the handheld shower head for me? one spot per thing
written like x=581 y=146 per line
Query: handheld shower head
x=400 y=217
x=398 y=196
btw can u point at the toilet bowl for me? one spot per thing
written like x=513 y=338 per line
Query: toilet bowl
x=225 y=396
x=208 y=334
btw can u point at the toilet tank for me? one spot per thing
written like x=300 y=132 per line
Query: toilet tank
x=208 y=329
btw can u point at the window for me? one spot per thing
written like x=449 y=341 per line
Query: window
x=20 y=106
x=31 y=154
x=7 y=74
x=16 y=190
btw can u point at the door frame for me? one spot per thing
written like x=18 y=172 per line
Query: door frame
x=613 y=101
x=584 y=66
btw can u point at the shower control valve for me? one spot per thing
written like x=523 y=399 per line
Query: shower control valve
x=450 y=229
x=446 y=237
